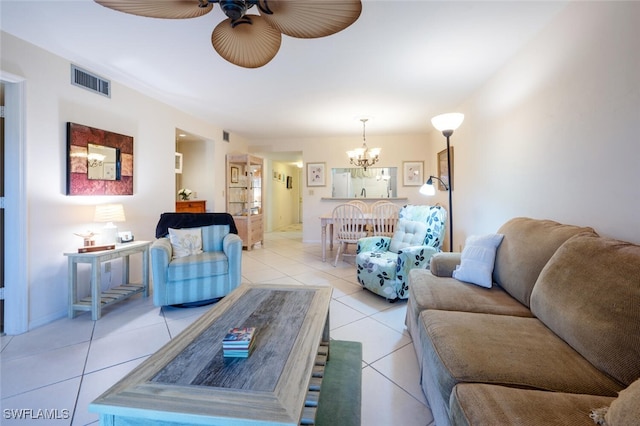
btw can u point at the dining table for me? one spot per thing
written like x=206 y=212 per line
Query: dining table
x=326 y=221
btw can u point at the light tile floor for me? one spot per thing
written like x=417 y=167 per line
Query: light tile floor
x=64 y=365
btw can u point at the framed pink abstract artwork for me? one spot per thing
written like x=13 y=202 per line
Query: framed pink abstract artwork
x=99 y=162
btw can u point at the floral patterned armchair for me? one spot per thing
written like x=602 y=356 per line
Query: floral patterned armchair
x=384 y=262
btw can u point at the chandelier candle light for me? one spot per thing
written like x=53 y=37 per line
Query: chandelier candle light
x=364 y=157
x=446 y=123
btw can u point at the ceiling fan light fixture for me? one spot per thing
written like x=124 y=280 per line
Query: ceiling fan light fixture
x=234 y=9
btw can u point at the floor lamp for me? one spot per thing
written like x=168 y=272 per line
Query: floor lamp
x=446 y=123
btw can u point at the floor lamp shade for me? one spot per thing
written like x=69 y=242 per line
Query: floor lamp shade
x=449 y=121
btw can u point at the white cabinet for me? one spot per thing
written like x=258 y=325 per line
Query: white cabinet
x=245 y=194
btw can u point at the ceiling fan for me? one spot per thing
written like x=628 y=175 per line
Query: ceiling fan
x=252 y=40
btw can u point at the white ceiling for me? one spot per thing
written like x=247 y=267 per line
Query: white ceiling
x=399 y=64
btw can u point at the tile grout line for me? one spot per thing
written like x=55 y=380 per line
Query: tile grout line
x=84 y=368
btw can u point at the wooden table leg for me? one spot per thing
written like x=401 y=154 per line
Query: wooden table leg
x=145 y=271
x=324 y=242
x=331 y=236
x=95 y=290
x=73 y=286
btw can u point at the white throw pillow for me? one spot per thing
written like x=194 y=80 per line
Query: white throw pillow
x=186 y=241
x=408 y=233
x=477 y=259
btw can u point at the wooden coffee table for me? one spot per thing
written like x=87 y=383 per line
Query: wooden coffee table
x=188 y=381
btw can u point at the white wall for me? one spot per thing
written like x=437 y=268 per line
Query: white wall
x=555 y=134
x=332 y=151
x=52 y=216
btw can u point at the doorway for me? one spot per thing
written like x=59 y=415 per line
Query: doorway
x=283 y=204
x=197 y=155
x=2 y=242
x=14 y=291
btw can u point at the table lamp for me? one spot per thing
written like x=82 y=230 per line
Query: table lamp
x=108 y=214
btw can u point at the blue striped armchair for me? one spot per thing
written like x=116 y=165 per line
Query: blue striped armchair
x=196 y=278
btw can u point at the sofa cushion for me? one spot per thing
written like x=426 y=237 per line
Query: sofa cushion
x=589 y=295
x=185 y=242
x=504 y=350
x=427 y=291
x=482 y=404
x=527 y=246
x=476 y=261
x=408 y=233
x=205 y=264
x=625 y=410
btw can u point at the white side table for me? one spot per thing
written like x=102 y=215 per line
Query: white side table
x=98 y=299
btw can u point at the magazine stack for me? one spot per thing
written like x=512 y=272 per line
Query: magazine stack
x=239 y=342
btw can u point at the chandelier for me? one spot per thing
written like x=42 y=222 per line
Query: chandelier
x=364 y=157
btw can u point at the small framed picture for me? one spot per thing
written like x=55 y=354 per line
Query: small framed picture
x=234 y=174
x=316 y=174
x=178 y=160
x=443 y=169
x=412 y=173
x=275 y=175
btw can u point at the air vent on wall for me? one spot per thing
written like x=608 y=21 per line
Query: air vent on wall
x=89 y=81
x=225 y=136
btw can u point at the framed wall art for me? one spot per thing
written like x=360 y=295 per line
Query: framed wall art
x=99 y=162
x=412 y=173
x=443 y=169
x=178 y=160
x=316 y=174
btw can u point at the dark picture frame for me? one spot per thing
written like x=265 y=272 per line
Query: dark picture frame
x=117 y=178
x=442 y=169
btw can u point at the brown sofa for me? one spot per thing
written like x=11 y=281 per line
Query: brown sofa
x=553 y=341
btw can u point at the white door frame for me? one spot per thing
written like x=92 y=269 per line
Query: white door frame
x=16 y=290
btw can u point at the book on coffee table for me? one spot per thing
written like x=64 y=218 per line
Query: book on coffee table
x=239 y=342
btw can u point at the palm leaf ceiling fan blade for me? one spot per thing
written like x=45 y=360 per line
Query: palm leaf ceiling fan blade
x=168 y=9
x=251 y=41
x=246 y=44
x=310 y=18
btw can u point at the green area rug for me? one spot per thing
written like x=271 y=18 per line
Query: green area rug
x=341 y=390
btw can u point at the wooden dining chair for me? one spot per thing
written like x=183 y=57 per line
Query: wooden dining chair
x=363 y=206
x=349 y=226
x=377 y=203
x=384 y=217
